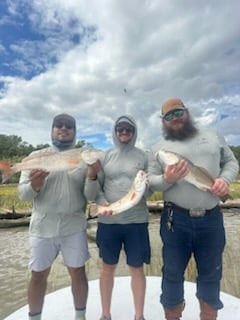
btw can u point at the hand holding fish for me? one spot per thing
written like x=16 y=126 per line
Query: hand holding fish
x=106 y=209
x=93 y=170
x=220 y=187
x=37 y=178
x=132 y=198
x=175 y=172
x=197 y=176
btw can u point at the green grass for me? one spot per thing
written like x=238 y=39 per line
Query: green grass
x=156 y=196
x=235 y=189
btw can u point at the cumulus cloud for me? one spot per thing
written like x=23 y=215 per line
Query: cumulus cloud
x=98 y=60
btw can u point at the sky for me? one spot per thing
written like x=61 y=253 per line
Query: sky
x=98 y=60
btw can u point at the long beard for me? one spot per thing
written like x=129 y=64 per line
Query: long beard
x=187 y=131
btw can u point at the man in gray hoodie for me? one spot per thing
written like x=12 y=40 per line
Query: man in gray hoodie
x=58 y=221
x=129 y=228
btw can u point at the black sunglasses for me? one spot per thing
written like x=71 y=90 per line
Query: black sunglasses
x=66 y=124
x=178 y=113
x=127 y=129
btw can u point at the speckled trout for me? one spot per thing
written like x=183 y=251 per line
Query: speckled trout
x=197 y=176
x=51 y=161
x=132 y=198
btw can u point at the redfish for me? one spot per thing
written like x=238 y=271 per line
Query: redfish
x=197 y=176
x=132 y=198
x=51 y=161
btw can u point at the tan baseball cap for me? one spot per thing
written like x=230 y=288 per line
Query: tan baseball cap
x=172 y=104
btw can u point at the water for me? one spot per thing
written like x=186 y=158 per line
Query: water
x=14 y=276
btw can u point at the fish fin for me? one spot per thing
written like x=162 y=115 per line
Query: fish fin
x=6 y=169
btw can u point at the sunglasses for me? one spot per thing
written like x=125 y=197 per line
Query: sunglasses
x=66 y=124
x=127 y=129
x=178 y=113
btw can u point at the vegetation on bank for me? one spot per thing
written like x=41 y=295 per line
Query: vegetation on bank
x=9 y=198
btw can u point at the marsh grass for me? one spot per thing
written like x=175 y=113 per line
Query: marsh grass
x=235 y=189
x=9 y=199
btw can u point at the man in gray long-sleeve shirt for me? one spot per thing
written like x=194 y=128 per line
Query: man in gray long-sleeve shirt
x=192 y=222
x=58 y=221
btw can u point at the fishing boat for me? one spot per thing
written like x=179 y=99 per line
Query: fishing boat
x=58 y=305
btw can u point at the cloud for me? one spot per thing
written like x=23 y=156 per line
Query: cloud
x=78 y=57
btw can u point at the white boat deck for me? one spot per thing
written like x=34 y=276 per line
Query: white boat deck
x=59 y=306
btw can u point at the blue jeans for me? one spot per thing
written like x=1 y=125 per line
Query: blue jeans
x=202 y=237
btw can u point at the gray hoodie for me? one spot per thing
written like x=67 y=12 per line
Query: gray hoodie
x=59 y=207
x=120 y=166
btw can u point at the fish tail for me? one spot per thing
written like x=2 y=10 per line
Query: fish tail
x=226 y=197
x=7 y=170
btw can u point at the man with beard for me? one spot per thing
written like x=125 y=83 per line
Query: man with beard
x=192 y=221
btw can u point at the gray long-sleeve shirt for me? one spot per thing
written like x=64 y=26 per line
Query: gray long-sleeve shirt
x=59 y=207
x=207 y=149
x=120 y=166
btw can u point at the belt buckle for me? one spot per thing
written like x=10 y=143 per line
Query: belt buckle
x=197 y=212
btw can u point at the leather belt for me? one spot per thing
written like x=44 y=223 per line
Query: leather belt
x=196 y=212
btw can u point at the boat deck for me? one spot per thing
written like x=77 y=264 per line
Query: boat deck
x=59 y=306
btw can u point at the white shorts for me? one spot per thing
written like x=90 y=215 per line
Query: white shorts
x=43 y=251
